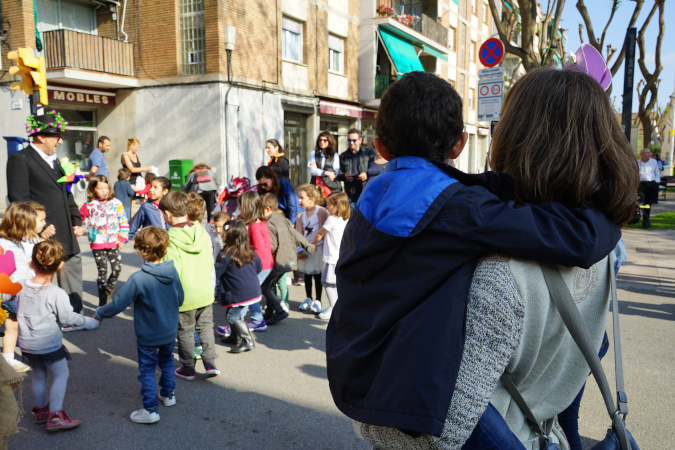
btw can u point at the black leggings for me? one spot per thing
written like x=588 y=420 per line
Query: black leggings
x=308 y=285
x=210 y=200
x=106 y=284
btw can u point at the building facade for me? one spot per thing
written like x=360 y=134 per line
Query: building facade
x=159 y=71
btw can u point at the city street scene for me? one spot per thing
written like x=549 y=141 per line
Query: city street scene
x=339 y=224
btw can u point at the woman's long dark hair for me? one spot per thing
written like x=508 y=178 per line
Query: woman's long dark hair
x=268 y=172
x=558 y=137
x=332 y=144
x=236 y=243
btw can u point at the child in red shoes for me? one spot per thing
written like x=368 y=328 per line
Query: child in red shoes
x=41 y=306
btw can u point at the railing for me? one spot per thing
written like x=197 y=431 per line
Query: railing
x=382 y=82
x=66 y=48
x=421 y=23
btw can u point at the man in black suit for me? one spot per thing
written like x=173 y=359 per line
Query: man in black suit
x=31 y=175
x=353 y=166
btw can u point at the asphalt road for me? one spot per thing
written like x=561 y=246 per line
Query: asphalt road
x=277 y=395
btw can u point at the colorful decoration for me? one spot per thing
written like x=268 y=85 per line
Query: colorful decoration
x=590 y=61
x=73 y=174
x=7 y=268
x=34 y=126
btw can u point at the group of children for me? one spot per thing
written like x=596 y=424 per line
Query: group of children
x=185 y=268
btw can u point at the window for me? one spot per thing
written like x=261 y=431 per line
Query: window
x=291 y=40
x=451 y=38
x=473 y=6
x=486 y=8
x=65 y=15
x=472 y=51
x=462 y=84
x=461 y=46
x=462 y=8
x=192 y=37
x=336 y=51
x=472 y=93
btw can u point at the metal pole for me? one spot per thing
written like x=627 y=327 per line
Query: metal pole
x=626 y=112
x=672 y=127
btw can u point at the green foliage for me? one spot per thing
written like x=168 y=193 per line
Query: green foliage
x=663 y=221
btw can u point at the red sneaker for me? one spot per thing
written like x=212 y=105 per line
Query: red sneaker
x=59 y=420
x=41 y=414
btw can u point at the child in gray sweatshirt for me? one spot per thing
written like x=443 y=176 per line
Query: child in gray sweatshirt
x=42 y=307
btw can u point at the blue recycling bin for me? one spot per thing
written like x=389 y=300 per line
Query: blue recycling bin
x=14 y=144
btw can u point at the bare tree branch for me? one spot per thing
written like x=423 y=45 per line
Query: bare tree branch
x=554 y=28
x=615 y=6
x=622 y=55
x=581 y=32
x=581 y=7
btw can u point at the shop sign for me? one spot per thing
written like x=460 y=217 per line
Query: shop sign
x=81 y=97
x=341 y=109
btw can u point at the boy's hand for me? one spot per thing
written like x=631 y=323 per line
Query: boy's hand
x=96 y=318
x=302 y=256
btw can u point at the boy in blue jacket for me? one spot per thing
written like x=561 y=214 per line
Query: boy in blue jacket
x=156 y=293
x=395 y=339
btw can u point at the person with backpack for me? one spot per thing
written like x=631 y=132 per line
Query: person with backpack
x=204 y=181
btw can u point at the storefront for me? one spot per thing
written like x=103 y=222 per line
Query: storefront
x=339 y=118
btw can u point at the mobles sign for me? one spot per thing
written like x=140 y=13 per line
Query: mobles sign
x=81 y=96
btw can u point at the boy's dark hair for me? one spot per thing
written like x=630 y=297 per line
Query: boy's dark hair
x=196 y=207
x=270 y=200
x=176 y=202
x=420 y=115
x=123 y=174
x=151 y=242
x=164 y=182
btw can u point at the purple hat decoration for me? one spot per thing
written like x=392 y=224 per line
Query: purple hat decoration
x=591 y=61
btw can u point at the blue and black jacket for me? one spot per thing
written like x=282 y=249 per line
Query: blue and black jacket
x=395 y=338
x=148 y=214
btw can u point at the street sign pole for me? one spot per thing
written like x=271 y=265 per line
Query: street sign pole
x=627 y=108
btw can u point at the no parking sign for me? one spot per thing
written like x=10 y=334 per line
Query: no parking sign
x=491 y=52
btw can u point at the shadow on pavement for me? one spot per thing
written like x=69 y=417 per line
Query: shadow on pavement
x=664 y=311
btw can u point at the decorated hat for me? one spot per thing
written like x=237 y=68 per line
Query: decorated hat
x=589 y=60
x=46 y=124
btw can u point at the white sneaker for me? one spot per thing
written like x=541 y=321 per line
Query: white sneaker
x=316 y=307
x=18 y=365
x=169 y=400
x=306 y=304
x=325 y=314
x=144 y=416
x=285 y=307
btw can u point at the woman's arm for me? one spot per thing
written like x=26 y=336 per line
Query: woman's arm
x=127 y=163
x=314 y=170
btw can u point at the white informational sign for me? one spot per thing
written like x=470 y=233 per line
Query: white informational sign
x=492 y=72
x=17 y=104
x=490 y=98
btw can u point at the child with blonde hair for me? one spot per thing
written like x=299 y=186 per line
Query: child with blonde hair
x=309 y=222
x=41 y=307
x=333 y=228
x=104 y=219
x=19 y=230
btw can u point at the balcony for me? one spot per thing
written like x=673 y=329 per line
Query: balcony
x=382 y=82
x=88 y=59
x=421 y=21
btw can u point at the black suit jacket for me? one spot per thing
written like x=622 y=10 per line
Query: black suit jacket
x=29 y=177
x=354 y=188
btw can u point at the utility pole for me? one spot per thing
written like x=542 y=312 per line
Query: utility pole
x=672 y=129
x=626 y=112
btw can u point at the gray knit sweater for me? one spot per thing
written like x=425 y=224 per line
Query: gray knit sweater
x=503 y=334
x=41 y=310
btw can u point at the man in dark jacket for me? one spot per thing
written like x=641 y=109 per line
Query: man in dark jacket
x=353 y=166
x=32 y=174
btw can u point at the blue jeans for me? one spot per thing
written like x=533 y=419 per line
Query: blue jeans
x=256 y=311
x=148 y=359
x=238 y=313
x=492 y=433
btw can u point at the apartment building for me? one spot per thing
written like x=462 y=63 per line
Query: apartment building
x=437 y=36
x=161 y=71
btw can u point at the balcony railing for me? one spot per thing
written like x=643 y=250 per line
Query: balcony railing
x=433 y=30
x=382 y=82
x=70 y=49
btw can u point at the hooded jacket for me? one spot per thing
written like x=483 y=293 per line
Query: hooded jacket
x=148 y=214
x=192 y=255
x=284 y=238
x=395 y=339
x=156 y=293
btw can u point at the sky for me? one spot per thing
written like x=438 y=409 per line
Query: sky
x=599 y=11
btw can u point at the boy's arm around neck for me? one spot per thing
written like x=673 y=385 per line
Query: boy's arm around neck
x=547 y=232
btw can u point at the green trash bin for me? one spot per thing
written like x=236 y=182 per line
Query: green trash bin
x=178 y=171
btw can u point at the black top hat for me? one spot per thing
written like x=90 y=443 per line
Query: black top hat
x=46 y=124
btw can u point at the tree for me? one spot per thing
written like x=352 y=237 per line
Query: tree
x=532 y=54
x=599 y=43
x=648 y=95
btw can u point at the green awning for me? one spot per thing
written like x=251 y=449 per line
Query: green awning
x=434 y=52
x=402 y=52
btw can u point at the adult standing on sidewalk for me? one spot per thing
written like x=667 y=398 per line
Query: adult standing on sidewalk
x=96 y=163
x=131 y=161
x=354 y=166
x=278 y=161
x=204 y=181
x=650 y=177
x=32 y=174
